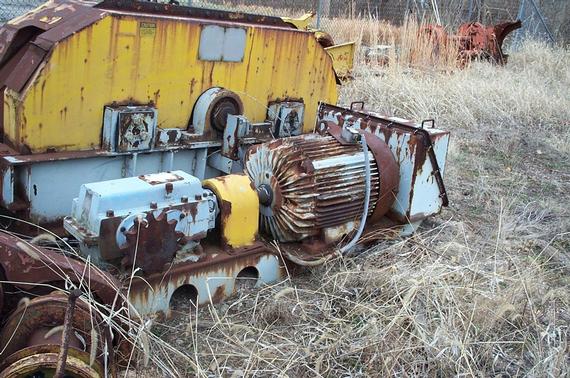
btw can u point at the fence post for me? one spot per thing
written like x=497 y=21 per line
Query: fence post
x=319 y=11
x=470 y=14
x=520 y=16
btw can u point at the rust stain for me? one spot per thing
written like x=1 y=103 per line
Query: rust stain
x=420 y=144
x=152 y=245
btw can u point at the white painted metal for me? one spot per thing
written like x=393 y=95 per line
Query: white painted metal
x=199 y=115
x=419 y=198
x=140 y=133
x=219 y=43
x=416 y=199
x=7 y=197
x=133 y=195
x=153 y=300
x=287 y=116
x=49 y=185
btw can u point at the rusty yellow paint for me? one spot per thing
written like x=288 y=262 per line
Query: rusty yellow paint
x=134 y=59
x=301 y=23
x=343 y=58
x=342 y=55
x=239 y=206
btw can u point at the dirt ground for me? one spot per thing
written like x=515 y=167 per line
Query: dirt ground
x=482 y=290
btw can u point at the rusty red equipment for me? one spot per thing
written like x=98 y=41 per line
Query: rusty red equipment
x=474 y=40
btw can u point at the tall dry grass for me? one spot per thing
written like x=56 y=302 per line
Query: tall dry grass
x=401 y=45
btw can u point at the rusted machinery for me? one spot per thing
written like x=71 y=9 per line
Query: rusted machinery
x=181 y=150
x=478 y=41
x=475 y=41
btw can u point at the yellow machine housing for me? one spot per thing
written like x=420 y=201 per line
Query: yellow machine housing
x=93 y=92
x=239 y=208
x=342 y=55
x=123 y=56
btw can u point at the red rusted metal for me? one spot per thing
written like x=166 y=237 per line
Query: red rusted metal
x=151 y=243
x=34 y=319
x=324 y=39
x=25 y=41
x=34 y=270
x=45 y=266
x=153 y=293
x=1 y=295
x=67 y=328
x=477 y=41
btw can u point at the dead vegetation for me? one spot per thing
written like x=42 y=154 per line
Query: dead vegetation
x=482 y=290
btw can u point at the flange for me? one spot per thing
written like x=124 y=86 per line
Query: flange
x=32 y=323
x=212 y=109
x=41 y=361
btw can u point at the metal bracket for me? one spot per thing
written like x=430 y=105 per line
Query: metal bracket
x=425 y=121
x=355 y=108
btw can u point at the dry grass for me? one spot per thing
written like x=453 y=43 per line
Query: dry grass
x=402 y=45
x=483 y=290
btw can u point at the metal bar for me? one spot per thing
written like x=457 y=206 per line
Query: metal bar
x=67 y=328
x=520 y=16
x=543 y=21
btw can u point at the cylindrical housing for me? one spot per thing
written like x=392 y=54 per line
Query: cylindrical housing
x=316 y=185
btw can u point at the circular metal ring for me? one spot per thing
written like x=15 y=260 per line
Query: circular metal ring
x=32 y=323
x=42 y=359
x=212 y=109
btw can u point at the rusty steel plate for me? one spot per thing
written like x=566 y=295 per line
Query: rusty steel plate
x=40 y=263
x=151 y=243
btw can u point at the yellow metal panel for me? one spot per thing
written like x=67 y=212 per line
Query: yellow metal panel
x=239 y=206
x=343 y=58
x=135 y=59
x=302 y=22
x=10 y=106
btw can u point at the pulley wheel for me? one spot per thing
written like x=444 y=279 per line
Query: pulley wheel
x=41 y=361
x=32 y=323
x=212 y=109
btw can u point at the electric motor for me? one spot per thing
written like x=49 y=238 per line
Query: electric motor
x=312 y=186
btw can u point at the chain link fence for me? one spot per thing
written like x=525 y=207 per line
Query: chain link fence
x=359 y=19
x=13 y=8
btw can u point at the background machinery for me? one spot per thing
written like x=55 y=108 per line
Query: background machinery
x=182 y=149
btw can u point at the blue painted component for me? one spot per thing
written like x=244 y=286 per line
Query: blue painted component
x=177 y=194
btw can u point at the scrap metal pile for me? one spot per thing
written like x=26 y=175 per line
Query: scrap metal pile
x=474 y=40
x=174 y=148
